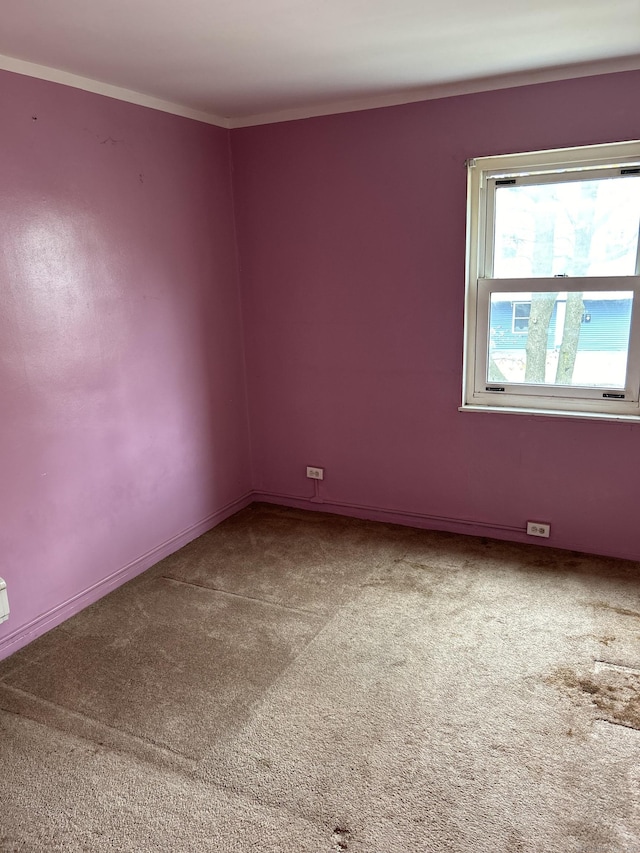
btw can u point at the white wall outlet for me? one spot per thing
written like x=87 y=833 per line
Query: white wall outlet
x=538 y=528
x=315 y=473
x=4 y=601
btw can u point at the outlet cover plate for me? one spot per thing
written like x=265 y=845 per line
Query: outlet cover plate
x=4 y=602
x=538 y=528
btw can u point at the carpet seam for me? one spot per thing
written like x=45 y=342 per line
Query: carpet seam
x=91 y=720
x=473 y=743
x=242 y=595
x=191 y=773
x=54 y=617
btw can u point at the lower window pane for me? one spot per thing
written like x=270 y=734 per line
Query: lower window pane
x=575 y=339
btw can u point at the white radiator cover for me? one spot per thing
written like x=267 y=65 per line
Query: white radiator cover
x=4 y=601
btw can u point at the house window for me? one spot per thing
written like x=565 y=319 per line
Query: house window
x=552 y=320
x=520 y=318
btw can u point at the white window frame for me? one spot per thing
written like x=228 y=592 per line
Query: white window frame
x=540 y=167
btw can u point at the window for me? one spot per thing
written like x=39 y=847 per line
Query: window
x=552 y=318
x=520 y=319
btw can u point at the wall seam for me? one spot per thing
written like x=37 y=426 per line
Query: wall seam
x=241 y=304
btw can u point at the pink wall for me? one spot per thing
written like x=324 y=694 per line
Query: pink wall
x=352 y=239
x=124 y=422
x=124 y=429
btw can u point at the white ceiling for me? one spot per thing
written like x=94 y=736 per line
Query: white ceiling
x=237 y=62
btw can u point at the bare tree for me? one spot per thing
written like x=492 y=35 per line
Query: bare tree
x=570 y=337
x=583 y=225
x=541 y=303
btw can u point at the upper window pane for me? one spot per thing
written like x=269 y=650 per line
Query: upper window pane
x=572 y=228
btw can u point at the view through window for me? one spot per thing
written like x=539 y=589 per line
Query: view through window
x=553 y=296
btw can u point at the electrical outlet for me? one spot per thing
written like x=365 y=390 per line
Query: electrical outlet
x=538 y=528
x=315 y=473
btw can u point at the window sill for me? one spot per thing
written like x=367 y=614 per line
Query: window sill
x=550 y=413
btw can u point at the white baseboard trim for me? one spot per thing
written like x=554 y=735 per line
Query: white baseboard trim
x=46 y=621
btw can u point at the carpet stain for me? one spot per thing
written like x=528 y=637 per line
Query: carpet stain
x=615 y=693
x=403 y=580
x=341 y=838
x=622 y=611
x=515 y=843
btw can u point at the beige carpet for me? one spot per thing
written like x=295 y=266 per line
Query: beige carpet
x=295 y=681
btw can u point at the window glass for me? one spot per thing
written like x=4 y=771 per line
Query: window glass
x=571 y=228
x=570 y=339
